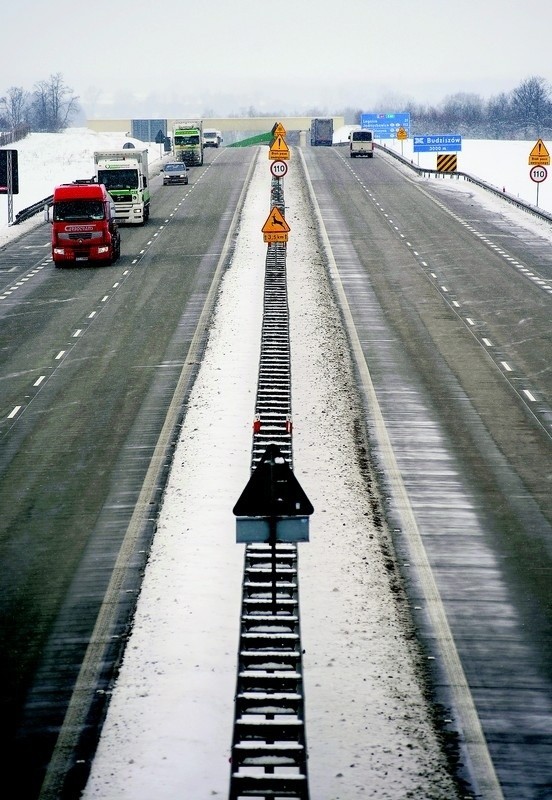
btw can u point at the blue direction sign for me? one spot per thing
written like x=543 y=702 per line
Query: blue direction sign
x=447 y=143
x=385 y=126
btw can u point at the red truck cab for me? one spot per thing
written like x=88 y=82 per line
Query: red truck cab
x=83 y=225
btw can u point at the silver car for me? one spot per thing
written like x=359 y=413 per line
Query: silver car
x=175 y=172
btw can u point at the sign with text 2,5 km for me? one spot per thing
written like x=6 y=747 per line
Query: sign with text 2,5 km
x=275 y=228
x=445 y=143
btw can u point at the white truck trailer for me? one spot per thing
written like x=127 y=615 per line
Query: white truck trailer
x=124 y=174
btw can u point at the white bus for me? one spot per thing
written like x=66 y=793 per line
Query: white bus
x=361 y=143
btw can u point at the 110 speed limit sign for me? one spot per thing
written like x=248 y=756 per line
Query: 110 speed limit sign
x=538 y=174
x=279 y=168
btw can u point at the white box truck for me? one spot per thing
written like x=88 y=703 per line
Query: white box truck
x=124 y=173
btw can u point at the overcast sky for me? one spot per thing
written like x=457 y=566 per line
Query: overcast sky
x=215 y=57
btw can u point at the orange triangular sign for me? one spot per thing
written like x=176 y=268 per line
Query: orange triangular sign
x=279 y=130
x=279 y=149
x=539 y=155
x=275 y=222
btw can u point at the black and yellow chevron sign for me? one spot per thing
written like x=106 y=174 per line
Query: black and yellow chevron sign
x=446 y=162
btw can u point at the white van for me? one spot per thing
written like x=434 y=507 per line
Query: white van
x=361 y=143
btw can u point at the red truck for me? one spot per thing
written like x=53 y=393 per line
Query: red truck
x=83 y=224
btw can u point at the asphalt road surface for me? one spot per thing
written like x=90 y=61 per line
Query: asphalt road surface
x=90 y=360
x=448 y=308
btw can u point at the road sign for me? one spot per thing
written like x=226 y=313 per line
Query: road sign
x=9 y=172
x=278 y=130
x=279 y=150
x=402 y=134
x=278 y=169
x=448 y=143
x=538 y=174
x=446 y=163
x=539 y=155
x=275 y=228
x=385 y=126
x=273 y=507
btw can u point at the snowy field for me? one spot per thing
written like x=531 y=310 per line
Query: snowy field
x=168 y=729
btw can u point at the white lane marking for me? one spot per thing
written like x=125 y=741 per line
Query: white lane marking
x=77 y=333
x=15 y=411
x=39 y=380
x=531 y=396
x=487 y=342
x=60 y=355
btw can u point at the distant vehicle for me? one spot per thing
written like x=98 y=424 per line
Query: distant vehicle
x=211 y=138
x=321 y=132
x=83 y=224
x=175 y=172
x=361 y=143
x=188 y=142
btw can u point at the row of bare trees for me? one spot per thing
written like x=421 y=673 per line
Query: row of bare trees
x=523 y=113
x=50 y=107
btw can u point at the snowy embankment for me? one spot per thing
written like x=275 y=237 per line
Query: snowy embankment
x=169 y=726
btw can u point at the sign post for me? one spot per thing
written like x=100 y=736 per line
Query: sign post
x=538 y=175
x=402 y=134
x=9 y=178
x=539 y=158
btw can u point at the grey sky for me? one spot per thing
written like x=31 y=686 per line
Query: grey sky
x=215 y=56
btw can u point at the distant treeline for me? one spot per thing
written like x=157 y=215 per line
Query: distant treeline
x=523 y=113
x=50 y=107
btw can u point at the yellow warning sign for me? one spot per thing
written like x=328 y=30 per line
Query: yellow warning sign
x=446 y=162
x=275 y=228
x=539 y=155
x=402 y=134
x=275 y=222
x=279 y=150
x=279 y=130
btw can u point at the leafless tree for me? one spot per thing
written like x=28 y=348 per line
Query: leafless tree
x=14 y=107
x=531 y=106
x=53 y=104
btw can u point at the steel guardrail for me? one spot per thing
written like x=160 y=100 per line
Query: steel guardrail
x=488 y=187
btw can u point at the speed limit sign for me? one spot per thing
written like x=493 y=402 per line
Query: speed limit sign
x=538 y=174
x=278 y=168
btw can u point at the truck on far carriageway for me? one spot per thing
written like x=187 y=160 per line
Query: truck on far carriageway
x=321 y=132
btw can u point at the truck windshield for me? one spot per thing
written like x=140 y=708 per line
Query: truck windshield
x=118 y=178
x=66 y=210
x=192 y=139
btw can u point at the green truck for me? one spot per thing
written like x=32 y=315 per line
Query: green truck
x=188 y=142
